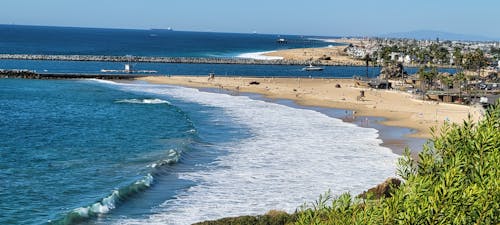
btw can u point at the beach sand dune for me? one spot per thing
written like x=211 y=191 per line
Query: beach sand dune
x=401 y=109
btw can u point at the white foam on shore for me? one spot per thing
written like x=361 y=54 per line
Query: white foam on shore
x=259 y=56
x=292 y=156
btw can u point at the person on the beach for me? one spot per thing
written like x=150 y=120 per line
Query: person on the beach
x=211 y=76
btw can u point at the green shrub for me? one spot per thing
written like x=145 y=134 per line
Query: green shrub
x=271 y=218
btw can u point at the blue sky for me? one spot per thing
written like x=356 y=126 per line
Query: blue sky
x=314 y=17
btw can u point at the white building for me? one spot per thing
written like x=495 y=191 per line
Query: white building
x=356 y=52
x=407 y=59
x=397 y=56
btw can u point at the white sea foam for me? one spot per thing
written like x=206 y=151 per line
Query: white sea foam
x=327 y=40
x=259 y=56
x=292 y=156
x=143 y=101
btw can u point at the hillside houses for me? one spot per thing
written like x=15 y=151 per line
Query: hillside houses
x=422 y=52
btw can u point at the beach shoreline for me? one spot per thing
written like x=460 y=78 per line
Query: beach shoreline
x=394 y=138
x=399 y=109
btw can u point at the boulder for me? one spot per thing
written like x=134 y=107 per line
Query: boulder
x=384 y=189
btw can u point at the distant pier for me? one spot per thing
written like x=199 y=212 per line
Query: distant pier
x=147 y=59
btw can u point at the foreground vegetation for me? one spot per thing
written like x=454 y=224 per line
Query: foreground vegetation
x=456 y=181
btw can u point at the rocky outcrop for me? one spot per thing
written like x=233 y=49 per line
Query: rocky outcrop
x=382 y=190
x=26 y=74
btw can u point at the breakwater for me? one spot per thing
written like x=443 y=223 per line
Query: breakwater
x=27 y=74
x=148 y=59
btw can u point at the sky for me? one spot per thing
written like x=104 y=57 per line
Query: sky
x=313 y=17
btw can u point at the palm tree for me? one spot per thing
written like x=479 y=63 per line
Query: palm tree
x=479 y=60
x=427 y=75
x=460 y=78
x=475 y=60
x=457 y=54
x=445 y=81
x=367 y=60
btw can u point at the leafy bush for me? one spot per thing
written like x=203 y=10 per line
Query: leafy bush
x=273 y=217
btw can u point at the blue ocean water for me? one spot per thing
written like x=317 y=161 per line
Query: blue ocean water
x=98 y=152
x=70 y=145
x=17 y=39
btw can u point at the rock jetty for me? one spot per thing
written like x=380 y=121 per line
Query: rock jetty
x=27 y=74
x=147 y=59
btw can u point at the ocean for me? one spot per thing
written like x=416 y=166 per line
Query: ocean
x=103 y=152
x=116 y=42
x=17 y=39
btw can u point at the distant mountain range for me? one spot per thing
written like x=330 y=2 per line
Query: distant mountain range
x=432 y=35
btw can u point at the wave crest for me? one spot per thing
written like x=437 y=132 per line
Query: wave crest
x=143 y=101
x=110 y=202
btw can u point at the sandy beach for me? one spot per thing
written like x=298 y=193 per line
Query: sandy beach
x=399 y=108
x=336 y=53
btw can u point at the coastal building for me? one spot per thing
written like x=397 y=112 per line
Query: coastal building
x=407 y=59
x=397 y=56
x=356 y=52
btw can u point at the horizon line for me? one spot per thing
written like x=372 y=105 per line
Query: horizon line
x=166 y=29
x=487 y=39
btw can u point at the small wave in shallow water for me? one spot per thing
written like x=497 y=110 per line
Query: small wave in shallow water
x=143 y=101
x=110 y=202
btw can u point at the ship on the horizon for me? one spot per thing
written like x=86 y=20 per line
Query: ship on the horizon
x=162 y=29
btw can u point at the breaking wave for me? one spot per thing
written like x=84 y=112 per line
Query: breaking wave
x=143 y=101
x=291 y=156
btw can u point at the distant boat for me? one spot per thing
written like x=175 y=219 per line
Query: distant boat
x=312 y=68
x=162 y=29
x=282 y=41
